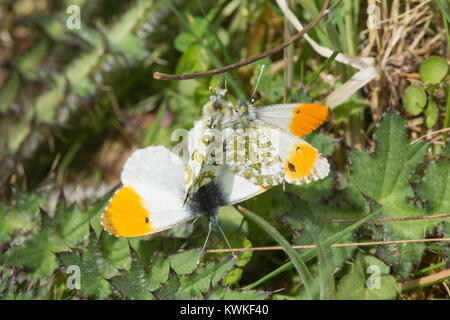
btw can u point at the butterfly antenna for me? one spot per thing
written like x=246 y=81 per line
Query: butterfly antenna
x=204 y=245
x=226 y=240
x=257 y=82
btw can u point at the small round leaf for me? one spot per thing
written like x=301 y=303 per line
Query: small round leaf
x=431 y=114
x=414 y=100
x=433 y=70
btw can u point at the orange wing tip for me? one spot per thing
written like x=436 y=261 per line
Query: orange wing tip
x=126 y=215
x=305 y=164
x=306 y=117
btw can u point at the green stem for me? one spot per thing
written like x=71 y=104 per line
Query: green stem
x=447 y=116
x=430 y=268
x=351 y=45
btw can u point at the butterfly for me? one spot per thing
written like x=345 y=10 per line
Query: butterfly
x=262 y=145
x=203 y=139
x=151 y=198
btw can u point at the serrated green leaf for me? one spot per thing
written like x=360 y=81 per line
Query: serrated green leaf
x=319 y=205
x=93 y=267
x=170 y=290
x=132 y=284
x=73 y=222
x=205 y=278
x=22 y=215
x=434 y=188
x=36 y=252
x=384 y=176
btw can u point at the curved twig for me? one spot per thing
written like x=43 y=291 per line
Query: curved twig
x=244 y=62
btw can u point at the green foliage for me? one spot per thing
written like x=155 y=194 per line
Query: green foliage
x=368 y=279
x=69 y=91
x=385 y=177
x=415 y=99
x=433 y=71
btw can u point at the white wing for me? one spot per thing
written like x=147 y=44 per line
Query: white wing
x=151 y=198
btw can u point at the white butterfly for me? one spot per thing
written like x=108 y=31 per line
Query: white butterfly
x=263 y=144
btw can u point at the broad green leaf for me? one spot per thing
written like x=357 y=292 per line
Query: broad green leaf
x=368 y=279
x=185 y=262
x=414 y=100
x=431 y=113
x=116 y=251
x=183 y=41
x=157 y=271
x=433 y=70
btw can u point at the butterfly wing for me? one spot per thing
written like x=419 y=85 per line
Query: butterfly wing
x=266 y=156
x=151 y=199
x=296 y=118
x=201 y=167
x=236 y=188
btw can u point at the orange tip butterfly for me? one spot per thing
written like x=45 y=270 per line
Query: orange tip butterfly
x=152 y=196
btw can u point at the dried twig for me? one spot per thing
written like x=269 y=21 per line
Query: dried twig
x=244 y=62
x=355 y=244
x=437 y=216
x=431 y=133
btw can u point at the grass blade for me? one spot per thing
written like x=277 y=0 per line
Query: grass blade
x=296 y=260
